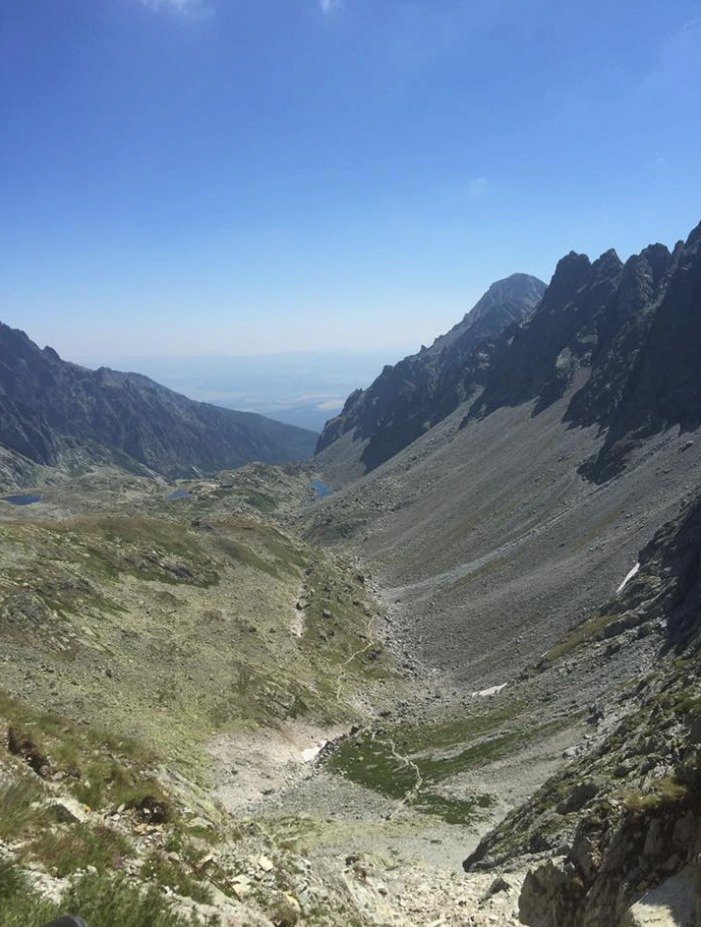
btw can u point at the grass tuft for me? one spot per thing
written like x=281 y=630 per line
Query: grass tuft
x=64 y=852
x=101 y=900
x=20 y=810
x=174 y=875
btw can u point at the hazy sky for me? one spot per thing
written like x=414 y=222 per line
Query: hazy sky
x=257 y=176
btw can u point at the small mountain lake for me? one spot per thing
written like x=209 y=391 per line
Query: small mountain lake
x=178 y=494
x=22 y=500
x=321 y=489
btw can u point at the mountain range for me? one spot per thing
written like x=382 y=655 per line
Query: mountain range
x=420 y=391
x=53 y=412
x=527 y=533
x=565 y=449
x=610 y=328
x=461 y=688
x=571 y=443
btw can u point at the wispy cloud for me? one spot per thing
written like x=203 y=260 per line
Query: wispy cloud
x=182 y=7
x=329 y=7
x=677 y=67
x=477 y=188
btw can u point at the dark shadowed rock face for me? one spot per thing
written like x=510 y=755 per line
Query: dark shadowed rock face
x=420 y=391
x=49 y=407
x=663 y=384
x=621 y=332
x=542 y=358
x=506 y=302
x=632 y=333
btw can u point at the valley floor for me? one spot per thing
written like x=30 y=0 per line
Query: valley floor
x=201 y=700
x=122 y=611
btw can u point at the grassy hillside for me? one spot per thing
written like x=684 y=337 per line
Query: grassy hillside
x=134 y=630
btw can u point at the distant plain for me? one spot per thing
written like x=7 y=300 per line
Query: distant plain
x=304 y=389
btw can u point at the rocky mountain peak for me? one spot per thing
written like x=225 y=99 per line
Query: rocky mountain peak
x=657 y=257
x=607 y=266
x=520 y=288
x=643 y=277
x=606 y=327
x=505 y=302
x=570 y=274
x=412 y=396
x=654 y=358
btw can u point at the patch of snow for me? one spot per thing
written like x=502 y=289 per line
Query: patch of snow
x=484 y=693
x=629 y=576
x=313 y=752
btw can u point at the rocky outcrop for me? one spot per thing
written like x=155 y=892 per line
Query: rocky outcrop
x=49 y=409
x=629 y=333
x=420 y=391
x=620 y=856
x=663 y=385
x=621 y=332
x=541 y=359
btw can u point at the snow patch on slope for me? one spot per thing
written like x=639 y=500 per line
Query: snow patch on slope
x=629 y=576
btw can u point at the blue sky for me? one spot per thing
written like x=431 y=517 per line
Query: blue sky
x=232 y=177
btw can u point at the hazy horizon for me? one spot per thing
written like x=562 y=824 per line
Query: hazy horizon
x=304 y=389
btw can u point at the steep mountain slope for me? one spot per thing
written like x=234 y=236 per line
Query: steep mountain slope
x=420 y=391
x=618 y=831
x=490 y=530
x=51 y=409
x=540 y=360
x=664 y=387
x=631 y=331
x=506 y=302
x=603 y=332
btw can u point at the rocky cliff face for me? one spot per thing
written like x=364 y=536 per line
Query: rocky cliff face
x=409 y=398
x=49 y=408
x=662 y=387
x=540 y=360
x=629 y=333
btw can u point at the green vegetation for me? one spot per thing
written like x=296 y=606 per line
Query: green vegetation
x=262 y=502
x=19 y=904
x=19 y=813
x=688 y=703
x=665 y=791
x=109 y=783
x=411 y=762
x=71 y=849
x=102 y=900
x=454 y=810
x=176 y=876
x=101 y=770
x=579 y=635
x=129 y=643
x=167 y=632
